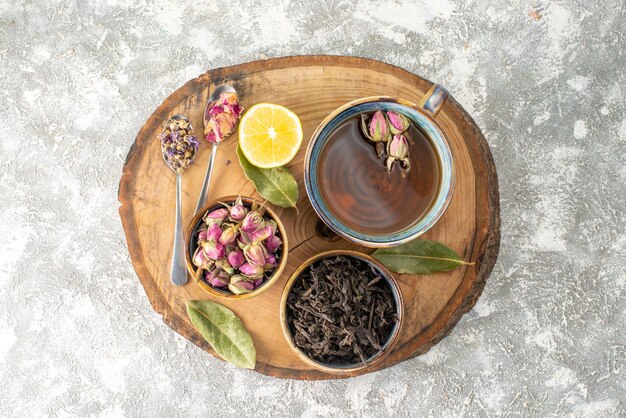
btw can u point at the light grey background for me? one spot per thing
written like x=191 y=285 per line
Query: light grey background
x=78 y=79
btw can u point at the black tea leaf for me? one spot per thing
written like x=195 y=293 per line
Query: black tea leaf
x=341 y=310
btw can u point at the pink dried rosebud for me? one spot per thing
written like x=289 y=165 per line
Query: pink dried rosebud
x=251 y=271
x=239 y=285
x=378 y=129
x=258 y=282
x=273 y=224
x=398 y=123
x=261 y=234
x=255 y=253
x=216 y=216
x=398 y=149
x=214 y=232
x=252 y=222
x=243 y=239
x=229 y=235
x=236 y=258
x=213 y=250
x=214 y=278
x=270 y=262
x=201 y=260
x=225 y=265
x=202 y=236
x=273 y=243
x=238 y=212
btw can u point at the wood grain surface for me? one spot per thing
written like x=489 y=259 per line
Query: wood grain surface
x=311 y=86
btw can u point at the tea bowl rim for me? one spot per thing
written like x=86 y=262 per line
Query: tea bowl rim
x=191 y=268
x=427 y=123
x=391 y=341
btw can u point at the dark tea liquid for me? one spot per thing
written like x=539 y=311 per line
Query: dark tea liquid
x=357 y=189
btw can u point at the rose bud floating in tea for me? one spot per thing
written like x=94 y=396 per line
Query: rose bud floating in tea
x=371 y=189
x=398 y=150
x=398 y=123
x=388 y=131
x=370 y=194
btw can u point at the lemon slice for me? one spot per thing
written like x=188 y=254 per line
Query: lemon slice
x=269 y=135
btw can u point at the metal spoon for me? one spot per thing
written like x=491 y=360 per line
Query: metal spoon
x=178 y=270
x=219 y=90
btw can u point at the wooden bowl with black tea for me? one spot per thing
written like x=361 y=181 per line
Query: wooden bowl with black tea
x=341 y=311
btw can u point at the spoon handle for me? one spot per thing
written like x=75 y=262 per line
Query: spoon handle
x=178 y=272
x=207 y=180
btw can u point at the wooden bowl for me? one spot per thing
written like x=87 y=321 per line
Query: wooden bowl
x=393 y=337
x=191 y=245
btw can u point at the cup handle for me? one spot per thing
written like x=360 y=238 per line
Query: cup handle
x=433 y=101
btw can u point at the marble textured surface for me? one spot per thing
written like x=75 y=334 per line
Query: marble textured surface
x=545 y=80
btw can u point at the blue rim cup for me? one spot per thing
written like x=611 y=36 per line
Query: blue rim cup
x=423 y=117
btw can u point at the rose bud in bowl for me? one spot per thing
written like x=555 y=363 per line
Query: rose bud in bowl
x=236 y=247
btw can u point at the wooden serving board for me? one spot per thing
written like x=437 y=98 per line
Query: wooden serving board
x=311 y=86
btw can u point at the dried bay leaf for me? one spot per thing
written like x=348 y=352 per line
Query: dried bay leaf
x=277 y=185
x=224 y=331
x=419 y=257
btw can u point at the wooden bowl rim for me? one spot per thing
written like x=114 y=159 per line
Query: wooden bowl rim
x=191 y=268
x=393 y=338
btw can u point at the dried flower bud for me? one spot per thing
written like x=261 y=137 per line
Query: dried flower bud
x=215 y=278
x=273 y=243
x=225 y=265
x=252 y=222
x=178 y=145
x=398 y=147
x=233 y=243
x=243 y=239
x=273 y=224
x=239 y=285
x=201 y=260
x=251 y=271
x=261 y=234
x=229 y=235
x=255 y=253
x=214 y=232
x=270 y=262
x=236 y=258
x=214 y=250
x=398 y=150
x=202 y=235
x=216 y=216
x=398 y=123
x=238 y=211
x=378 y=129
